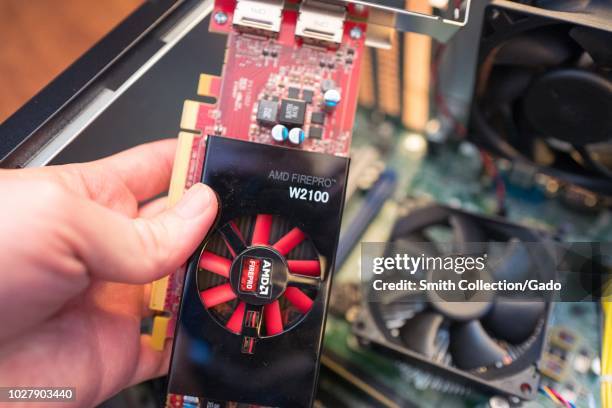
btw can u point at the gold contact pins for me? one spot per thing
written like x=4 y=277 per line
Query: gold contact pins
x=159 y=288
x=189 y=118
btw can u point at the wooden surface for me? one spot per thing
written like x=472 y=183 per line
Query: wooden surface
x=40 y=38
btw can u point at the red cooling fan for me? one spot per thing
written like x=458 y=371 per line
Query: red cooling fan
x=263 y=286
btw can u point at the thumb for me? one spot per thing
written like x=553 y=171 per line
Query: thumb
x=119 y=249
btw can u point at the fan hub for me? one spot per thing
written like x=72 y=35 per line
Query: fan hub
x=259 y=275
x=460 y=305
x=462 y=311
x=571 y=105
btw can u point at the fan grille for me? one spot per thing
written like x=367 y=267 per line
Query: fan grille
x=213 y=275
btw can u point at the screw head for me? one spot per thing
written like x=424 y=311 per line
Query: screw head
x=220 y=17
x=356 y=33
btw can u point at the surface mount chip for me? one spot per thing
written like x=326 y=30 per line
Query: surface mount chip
x=308 y=95
x=318 y=118
x=267 y=112
x=315 y=132
x=293 y=93
x=293 y=112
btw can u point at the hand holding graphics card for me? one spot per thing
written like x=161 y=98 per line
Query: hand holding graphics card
x=73 y=297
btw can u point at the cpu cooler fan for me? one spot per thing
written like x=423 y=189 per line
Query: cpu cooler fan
x=544 y=89
x=262 y=279
x=493 y=343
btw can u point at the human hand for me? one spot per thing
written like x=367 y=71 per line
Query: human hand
x=76 y=253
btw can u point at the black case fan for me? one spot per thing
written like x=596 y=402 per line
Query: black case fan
x=544 y=90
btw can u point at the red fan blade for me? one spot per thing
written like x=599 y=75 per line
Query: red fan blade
x=292 y=239
x=310 y=268
x=235 y=322
x=298 y=299
x=273 y=318
x=261 y=232
x=217 y=295
x=215 y=263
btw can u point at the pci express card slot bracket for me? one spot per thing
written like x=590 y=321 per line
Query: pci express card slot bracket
x=440 y=24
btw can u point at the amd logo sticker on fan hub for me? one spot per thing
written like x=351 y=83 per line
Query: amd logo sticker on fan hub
x=259 y=275
x=252 y=269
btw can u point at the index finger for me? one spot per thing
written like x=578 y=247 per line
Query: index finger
x=145 y=170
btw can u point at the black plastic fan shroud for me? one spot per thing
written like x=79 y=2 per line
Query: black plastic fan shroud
x=481 y=333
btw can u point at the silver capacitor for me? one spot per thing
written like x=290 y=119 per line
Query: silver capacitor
x=280 y=133
x=296 y=136
x=331 y=99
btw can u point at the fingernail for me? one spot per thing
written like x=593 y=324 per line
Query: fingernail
x=195 y=201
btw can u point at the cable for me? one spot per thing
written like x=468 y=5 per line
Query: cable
x=500 y=185
x=556 y=397
x=438 y=97
x=561 y=399
x=606 y=355
x=550 y=395
x=461 y=130
x=606 y=343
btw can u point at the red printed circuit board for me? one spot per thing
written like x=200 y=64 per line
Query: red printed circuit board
x=275 y=89
x=275 y=70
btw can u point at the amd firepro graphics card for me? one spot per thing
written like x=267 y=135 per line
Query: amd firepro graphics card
x=271 y=136
x=251 y=321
